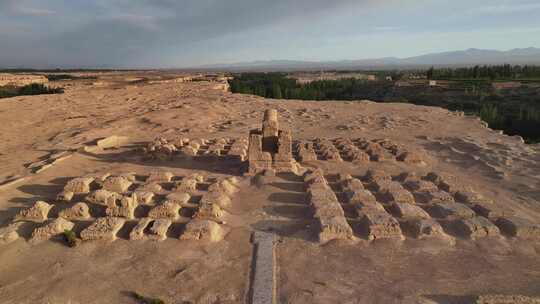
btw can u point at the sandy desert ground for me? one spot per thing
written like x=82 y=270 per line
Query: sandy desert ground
x=42 y=148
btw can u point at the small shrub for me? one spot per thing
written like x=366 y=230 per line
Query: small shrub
x=147 y=300
x=71 y=238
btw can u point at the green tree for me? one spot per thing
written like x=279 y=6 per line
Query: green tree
x=429 y=73
x=276 y=91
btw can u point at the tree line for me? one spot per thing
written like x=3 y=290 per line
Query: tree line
x=494 y=72
x=516 y=112
x=30 y=89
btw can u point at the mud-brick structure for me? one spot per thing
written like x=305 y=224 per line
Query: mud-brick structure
x=270 y=147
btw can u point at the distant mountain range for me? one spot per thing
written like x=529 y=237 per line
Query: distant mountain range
x=455 y=58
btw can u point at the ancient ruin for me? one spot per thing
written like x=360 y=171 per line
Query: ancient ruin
x=270 y=148
x=243 y=203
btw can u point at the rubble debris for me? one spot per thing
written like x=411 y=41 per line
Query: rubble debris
x=360 y=197
x=203 y=230
x=209 y=210
x=54 y=228
x=159 y=176
x=410 y=157
x=187 y=184
x=144 y=197
x=450 y=211
x=224 y=186
x=213 y=197
x=519 y=227
x=130 y=176
x=157 y=231
x=98 y=177
x=421 y=228
x=334 y=228
x=489 y=210
x=117 y=184
x=150 y=187
x=306 y=152
x=467 y=197
x=398 y=196
x=386 y=186
x=9 y=234
x=103 y=228
x=161 y=149
x=167 y=210
x=476 y=227
x=37 y=213
x=65 y=196
x=381 y=225
x=102 y=197
x=179 y=198
x=326 y=209
x=113 y=141
x=351 y=185
x=433 y=197
x=421 y=186
x=79 y=211
x=124 y=207
x=79 y=185
x=408 y=211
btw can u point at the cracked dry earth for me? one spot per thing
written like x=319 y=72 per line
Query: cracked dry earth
x=458 y=220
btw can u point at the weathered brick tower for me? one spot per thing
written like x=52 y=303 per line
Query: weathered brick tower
x=270 y=148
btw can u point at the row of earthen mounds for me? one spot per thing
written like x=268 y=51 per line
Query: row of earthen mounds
x=326 y=208
x=169 y=148
x=154 y=202
x=392 y=207
x=356 y=150
x=19 y=80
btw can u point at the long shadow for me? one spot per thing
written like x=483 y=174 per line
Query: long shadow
x=449 y=299
x=288 y=198
x=28 y=200
x=26 y=229
x=294 y=187
x=41 y=190
x=8 y=214
x=287 y=228
x=290 y=177
x=220 y=165
x=288 y=211
x=60 y=180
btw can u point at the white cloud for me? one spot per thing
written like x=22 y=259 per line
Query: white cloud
x=507 y=8
x=24 y=7
x=32 y=11
x=143 y=21
x=387 y=28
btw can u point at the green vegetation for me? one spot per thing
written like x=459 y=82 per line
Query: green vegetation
x=58 y=77
x=502 y=72
x=147 y=300
x=71 y=238
x=30 y=89
x=516 y=111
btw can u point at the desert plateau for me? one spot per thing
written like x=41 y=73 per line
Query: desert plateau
x=184 y=192
x=269 y=152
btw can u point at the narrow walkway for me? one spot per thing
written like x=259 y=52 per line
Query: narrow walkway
x=263 y=284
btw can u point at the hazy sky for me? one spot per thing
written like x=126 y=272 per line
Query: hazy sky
x=167 y=33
